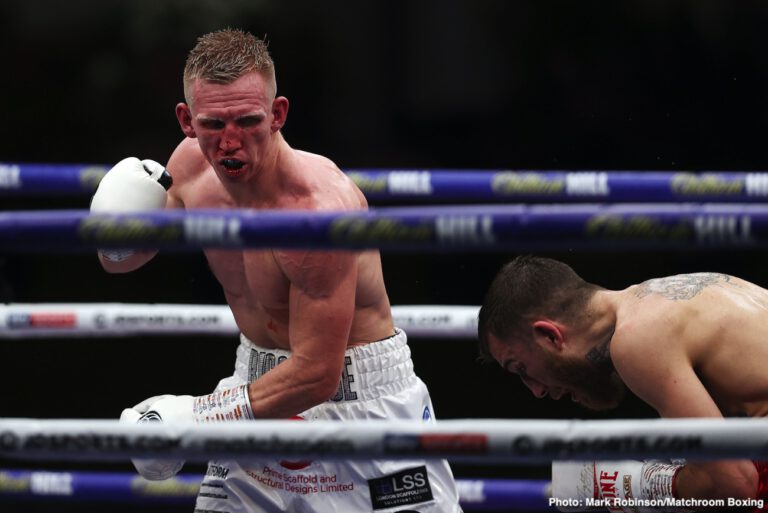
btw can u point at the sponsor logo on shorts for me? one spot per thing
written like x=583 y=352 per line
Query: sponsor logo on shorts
x=344 y=392
x=403 y=488
x=261 y=362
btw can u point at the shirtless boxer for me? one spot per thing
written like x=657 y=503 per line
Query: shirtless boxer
x=317 y=334
x=692 y=345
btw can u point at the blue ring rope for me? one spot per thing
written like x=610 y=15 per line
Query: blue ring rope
x=437 y=228
x=466 y=185
x=128 y=487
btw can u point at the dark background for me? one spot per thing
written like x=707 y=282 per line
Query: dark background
x=623 y=85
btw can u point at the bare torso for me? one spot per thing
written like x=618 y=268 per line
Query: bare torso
x=255 y=283
x=712 y=323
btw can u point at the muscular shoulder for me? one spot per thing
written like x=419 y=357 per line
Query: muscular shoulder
x=316 y=273
x=186 y=161
x=186 y=165
x=646 y=324
x=666 y=320
x=325 y=185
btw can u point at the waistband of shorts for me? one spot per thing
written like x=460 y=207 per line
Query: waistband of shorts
x=366 y=367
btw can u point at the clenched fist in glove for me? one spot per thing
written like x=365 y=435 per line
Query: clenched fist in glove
x=223 y=405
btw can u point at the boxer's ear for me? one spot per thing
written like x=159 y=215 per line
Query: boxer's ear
x=184 y=116
x=548 y=334
x=280 y=112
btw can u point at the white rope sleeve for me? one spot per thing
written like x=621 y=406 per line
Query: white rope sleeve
x=24 y=320
x=487 y=441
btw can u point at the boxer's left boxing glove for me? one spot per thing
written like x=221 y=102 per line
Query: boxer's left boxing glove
x=132 y=185
x=222 y=405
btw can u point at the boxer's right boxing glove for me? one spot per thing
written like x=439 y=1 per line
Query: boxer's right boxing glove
x=626 y=485
x=132 y=185
x=222 y=405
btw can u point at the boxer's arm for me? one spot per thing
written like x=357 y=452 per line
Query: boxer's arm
x=662 y=375
x=321 y=308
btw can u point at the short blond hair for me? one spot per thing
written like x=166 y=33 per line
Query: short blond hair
x=226 y=55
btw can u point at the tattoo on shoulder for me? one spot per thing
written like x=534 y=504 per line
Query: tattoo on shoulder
x=682 y=286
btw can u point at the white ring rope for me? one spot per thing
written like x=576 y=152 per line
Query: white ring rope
x=22 y=320
x=488 y=441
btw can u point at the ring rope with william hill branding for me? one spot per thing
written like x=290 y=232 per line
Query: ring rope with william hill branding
x=478 y=185
x=404 y=229
x=24 y=320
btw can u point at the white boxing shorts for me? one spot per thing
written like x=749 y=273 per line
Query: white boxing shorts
x=377 y=382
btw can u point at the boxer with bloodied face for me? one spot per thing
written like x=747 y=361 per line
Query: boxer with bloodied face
x=318 y=341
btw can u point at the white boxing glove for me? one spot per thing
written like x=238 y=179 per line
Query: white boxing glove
x=222 y=405
x=162 y=408
x=629 y=485
x=574 y=487
x=641 y=482
x=132 y=185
